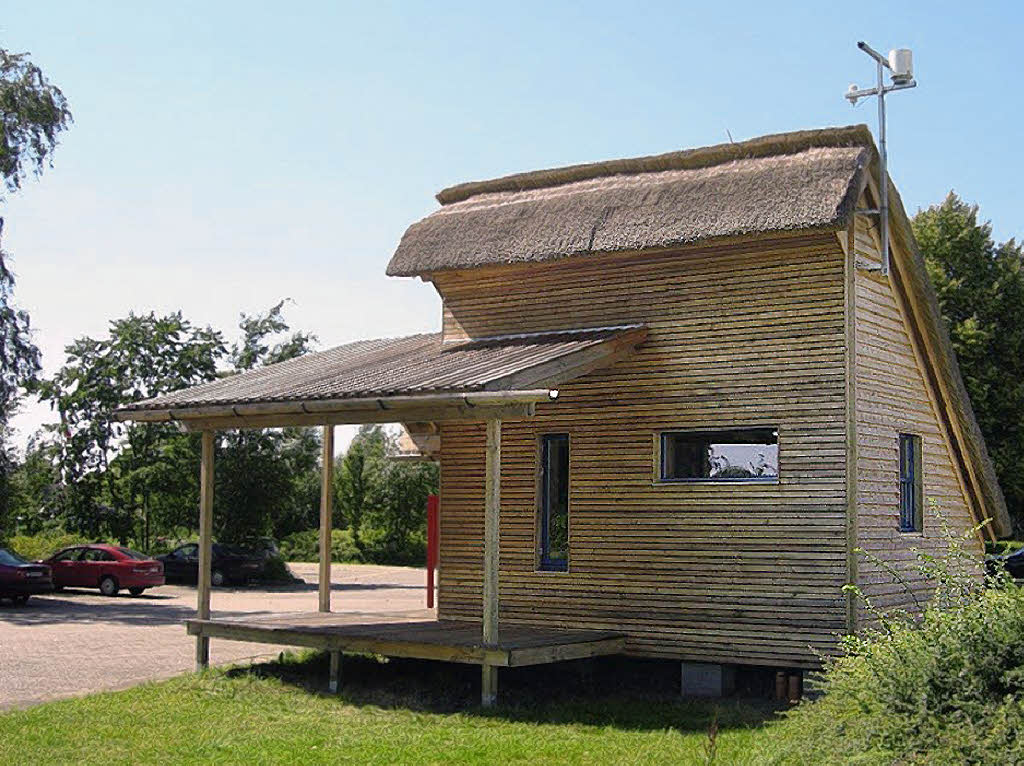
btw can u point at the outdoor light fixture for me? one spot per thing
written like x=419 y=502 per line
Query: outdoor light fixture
x=901 y=69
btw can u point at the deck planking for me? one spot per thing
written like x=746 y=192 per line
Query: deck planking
x=402 y=636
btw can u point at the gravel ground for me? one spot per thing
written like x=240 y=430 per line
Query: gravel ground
x=78 y=642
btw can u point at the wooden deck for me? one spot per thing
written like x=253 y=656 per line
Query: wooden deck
x=395 y=636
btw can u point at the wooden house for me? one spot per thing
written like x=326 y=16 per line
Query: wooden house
x=670 y=397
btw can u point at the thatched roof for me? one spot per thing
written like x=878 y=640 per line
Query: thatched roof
x=785 y=182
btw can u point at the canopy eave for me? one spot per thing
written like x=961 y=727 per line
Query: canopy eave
x=472 y=405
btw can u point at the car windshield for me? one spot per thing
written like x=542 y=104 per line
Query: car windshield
x=11 y=559
x=133 y=554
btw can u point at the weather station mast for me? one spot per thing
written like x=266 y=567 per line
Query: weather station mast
x=900 y=64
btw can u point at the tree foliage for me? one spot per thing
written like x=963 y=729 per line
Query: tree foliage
x=262 y=478
x=110 y=471
x=382 y=500
x=980 y=285
x=33 y=112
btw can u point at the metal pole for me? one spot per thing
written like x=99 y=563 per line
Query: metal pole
x=883 y=181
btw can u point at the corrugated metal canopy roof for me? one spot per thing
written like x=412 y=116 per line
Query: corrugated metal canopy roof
x=403 y=367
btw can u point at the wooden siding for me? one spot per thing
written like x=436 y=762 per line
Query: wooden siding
x=743 y=333
x=892 y=398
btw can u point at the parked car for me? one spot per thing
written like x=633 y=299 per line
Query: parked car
x=230 y=564
x=107 y=567
x=1011 y=562
x=20 y=578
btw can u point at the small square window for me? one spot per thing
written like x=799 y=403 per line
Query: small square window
x=743 y=454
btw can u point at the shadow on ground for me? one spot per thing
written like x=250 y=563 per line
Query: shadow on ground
x=626 y=693
x=123 y=609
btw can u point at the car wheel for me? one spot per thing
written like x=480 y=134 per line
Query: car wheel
x=218 y=579
x=20 y=600
x=136 y=591
x=108 y=586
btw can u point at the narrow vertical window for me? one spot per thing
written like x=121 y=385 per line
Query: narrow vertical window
x=554 y=503
x=911 y=512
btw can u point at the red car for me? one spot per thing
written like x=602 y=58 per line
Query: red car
x=107 y=567
x=20 y=579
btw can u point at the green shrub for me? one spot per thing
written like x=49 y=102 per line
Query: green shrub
x=44 y=544
x=275 y=570
x=305 y=546
x=1000 y=547
x=379 y=547
x=944 y=687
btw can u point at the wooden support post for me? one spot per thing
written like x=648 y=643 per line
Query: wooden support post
x=334 y=682
x=492 y=527
x=326 y=498
x=205 y=547
x=488 y=685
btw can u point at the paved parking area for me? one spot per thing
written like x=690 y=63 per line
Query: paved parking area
x=77 y=641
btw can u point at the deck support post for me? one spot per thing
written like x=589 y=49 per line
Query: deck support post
x=492 y=528
x=326 y=498
x=205 y=547
x=334 y=680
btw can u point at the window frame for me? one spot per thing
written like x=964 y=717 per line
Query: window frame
x=910 y=478
x=543 y=561
x=660 y=456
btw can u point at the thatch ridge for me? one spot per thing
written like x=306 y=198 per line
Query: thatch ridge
x=686 y=159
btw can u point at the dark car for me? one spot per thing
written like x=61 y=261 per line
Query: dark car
x=230 y=564
x=20 y=578
x=107 y=567
x=1013 y=563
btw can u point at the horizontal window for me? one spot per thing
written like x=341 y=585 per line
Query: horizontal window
x=743 y=454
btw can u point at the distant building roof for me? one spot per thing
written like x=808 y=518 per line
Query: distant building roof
x=785 y=182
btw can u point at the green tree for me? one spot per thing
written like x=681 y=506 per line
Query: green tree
x=980 y=285
x=383 y=501
x=263 y=477
x=111 y=470
x=34 y=487
x=33 y=112
x=358 y=476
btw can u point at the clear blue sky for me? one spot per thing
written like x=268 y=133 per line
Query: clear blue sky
x=225 y=155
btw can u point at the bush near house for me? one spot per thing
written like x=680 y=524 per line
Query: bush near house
x=945 y=687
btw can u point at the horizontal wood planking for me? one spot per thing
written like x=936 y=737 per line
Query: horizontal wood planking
x=893 y=397
x=742 y=334
x=395 y=636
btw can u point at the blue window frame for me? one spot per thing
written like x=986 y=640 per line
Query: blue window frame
x=911 y=490
x=553 y=518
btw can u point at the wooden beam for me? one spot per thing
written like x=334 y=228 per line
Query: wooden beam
x=205 y=547
x=397 y=404
x=492 y=531
x=850 y=311
x=488 y=685
x=340 y=642
x=334 y=681
x=326 y=497
x=492 y=514
x=355 y=417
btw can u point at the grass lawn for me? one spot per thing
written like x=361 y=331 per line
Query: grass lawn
x=393 y=712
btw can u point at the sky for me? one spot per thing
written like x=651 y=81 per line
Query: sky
x=226 y=155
